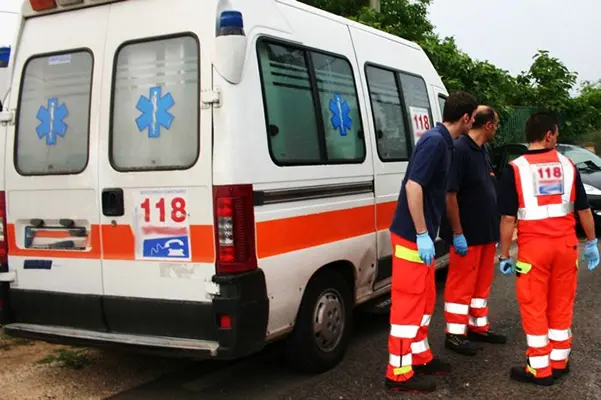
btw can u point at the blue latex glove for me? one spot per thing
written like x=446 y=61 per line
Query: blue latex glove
x=425 y=248
x=591 y=253
x=507 y=266
x=460 y=244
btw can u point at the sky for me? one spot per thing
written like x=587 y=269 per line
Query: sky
x=505 y=32
x=508 y=33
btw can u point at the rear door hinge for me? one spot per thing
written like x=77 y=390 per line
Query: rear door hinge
x=210 y=98
x=7 y=118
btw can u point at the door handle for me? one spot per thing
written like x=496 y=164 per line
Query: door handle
x=112 y=202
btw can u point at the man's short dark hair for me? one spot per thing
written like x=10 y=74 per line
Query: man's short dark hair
x=457 y=105
x=483 y=116
x=538 y=124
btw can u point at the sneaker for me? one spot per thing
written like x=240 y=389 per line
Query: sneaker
x=560 y=373
x=520 y=374
x=434 y=367
x=460 y=344
x=487 y=337
x=416 y=384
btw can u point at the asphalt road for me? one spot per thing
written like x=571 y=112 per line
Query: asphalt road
x=361 y=374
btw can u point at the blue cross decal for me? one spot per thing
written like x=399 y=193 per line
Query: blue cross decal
x=155 y=112
x=52 y=121
x=340 y=114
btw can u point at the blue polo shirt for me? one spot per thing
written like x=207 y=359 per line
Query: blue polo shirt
x=429 y=166
x=473 y=179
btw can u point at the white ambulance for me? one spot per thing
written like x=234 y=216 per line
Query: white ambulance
x=200 y=178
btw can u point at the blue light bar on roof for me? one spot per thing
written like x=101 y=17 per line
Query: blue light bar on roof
x=231 y=23
x=4 y=56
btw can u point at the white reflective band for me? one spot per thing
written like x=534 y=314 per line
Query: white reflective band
x=478 y=303
x=420 y=347
x=426 y=320
x=560 y=354
x=482 y=321
x=456 y=329
x=537 y=341
x=404 y=331
x=535 y=213
x=398 y=361
x=559 y=335
x=454 y=308
x=539 y=362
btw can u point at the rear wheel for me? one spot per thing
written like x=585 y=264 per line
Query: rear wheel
x=323 y=324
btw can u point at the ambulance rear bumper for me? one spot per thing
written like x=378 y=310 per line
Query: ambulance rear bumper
x=158 y=326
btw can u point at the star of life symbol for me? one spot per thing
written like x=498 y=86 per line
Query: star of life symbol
x=155 y=112
x=340 y=110
x=52 y=121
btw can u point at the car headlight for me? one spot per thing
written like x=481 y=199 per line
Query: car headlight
x=591 y=190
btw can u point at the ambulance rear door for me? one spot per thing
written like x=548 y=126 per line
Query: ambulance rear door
x=52 y=171
x=155 y=169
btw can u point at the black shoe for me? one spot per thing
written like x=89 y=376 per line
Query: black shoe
x=521 y=375
x=460 y=344
x=416 y=384
x=488 y=337
x=434 y=367
x=560 y=373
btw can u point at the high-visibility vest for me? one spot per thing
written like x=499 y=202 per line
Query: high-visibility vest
x=545 y=184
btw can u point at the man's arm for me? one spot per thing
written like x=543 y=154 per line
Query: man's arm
x=583 y=208
x=455 y=179
x=453 y=213
x=508 y=209
x=424 y=163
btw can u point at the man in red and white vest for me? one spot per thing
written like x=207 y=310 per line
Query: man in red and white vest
x=542 y=189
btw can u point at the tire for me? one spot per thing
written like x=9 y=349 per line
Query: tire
x=307 y=351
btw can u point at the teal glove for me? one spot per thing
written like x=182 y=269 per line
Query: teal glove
x=507 y=266
x=460 y=244
x=591 y=253
x=425 y=248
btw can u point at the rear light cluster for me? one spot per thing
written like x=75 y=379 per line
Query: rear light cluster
x=3 y=233
x=234 y=229
x=42 y=5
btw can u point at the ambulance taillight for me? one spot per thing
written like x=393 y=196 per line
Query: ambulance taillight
x=42 y=5
x=234 y=229
x=3 y=239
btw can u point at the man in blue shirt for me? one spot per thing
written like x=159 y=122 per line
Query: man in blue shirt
x=472 y=225
x=413 y=231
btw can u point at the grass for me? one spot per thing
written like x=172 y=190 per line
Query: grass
x=73 y=358
x=8 y=342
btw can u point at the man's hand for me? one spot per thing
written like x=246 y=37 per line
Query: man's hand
x=425 y=248
x=460 y=244
x=591 y=253
x=506 y=266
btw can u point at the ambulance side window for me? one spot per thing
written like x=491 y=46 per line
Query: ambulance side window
x=155 y=109
x=415 y=94
x=394 y=143
x=296 y=83
x=442 y=100
x=52 y=132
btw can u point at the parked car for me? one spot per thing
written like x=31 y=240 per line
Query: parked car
x=587 y=162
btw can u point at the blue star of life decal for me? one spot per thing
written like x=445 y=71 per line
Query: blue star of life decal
x=340 y=114
x=52 y=121
x=155 y=112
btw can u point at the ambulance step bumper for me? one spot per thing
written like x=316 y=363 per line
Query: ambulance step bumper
x=91 y=338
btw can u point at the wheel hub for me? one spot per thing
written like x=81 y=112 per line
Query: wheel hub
x=328 y=320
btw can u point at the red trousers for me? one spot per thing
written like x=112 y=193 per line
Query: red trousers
x=546 y=289
x=467 y=289
x=413 y=299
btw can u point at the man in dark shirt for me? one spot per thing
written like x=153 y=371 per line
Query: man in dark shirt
x=541 y=190
x=472 y=225
x=413 y=231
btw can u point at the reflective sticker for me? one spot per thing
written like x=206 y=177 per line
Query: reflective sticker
x=340 y=110
x=162 y=225
x=155 y=112
x=548 y=178
x=52 y=121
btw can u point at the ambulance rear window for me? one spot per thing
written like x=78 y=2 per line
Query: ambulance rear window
x=54 y=114
x=155 y=112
